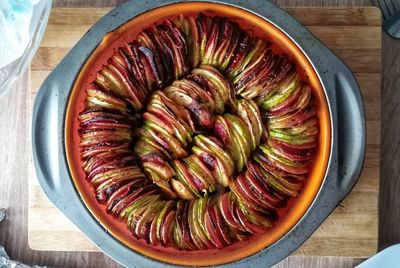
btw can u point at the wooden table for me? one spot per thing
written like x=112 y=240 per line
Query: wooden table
x=14 y=148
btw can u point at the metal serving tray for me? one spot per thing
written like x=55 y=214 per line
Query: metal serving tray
x=347 y=135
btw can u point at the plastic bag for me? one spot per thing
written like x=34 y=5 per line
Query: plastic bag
x=22 y=24
x=5 y=261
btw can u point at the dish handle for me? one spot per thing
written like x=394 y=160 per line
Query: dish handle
x=350 y=131
x=48 y=152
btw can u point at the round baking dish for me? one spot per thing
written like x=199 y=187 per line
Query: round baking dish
x=332 y=88
x=128 y=31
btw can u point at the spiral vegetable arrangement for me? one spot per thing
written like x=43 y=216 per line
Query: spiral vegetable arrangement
x=196 y=133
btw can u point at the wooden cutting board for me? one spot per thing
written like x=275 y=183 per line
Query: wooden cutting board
x=354 y=34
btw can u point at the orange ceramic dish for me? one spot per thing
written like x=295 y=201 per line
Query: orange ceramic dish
x=289 y=216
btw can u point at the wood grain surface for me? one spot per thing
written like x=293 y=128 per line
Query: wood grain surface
x=14 y=163
x=354 y=34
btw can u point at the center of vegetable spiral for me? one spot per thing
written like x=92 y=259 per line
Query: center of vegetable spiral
x=196 y=134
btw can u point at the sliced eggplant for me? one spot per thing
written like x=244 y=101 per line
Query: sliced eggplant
x=196 y=133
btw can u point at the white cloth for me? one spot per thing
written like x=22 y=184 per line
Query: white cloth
x=15 y=18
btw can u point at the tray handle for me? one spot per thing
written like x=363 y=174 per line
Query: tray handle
x=350 y=131
x=46 y=134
